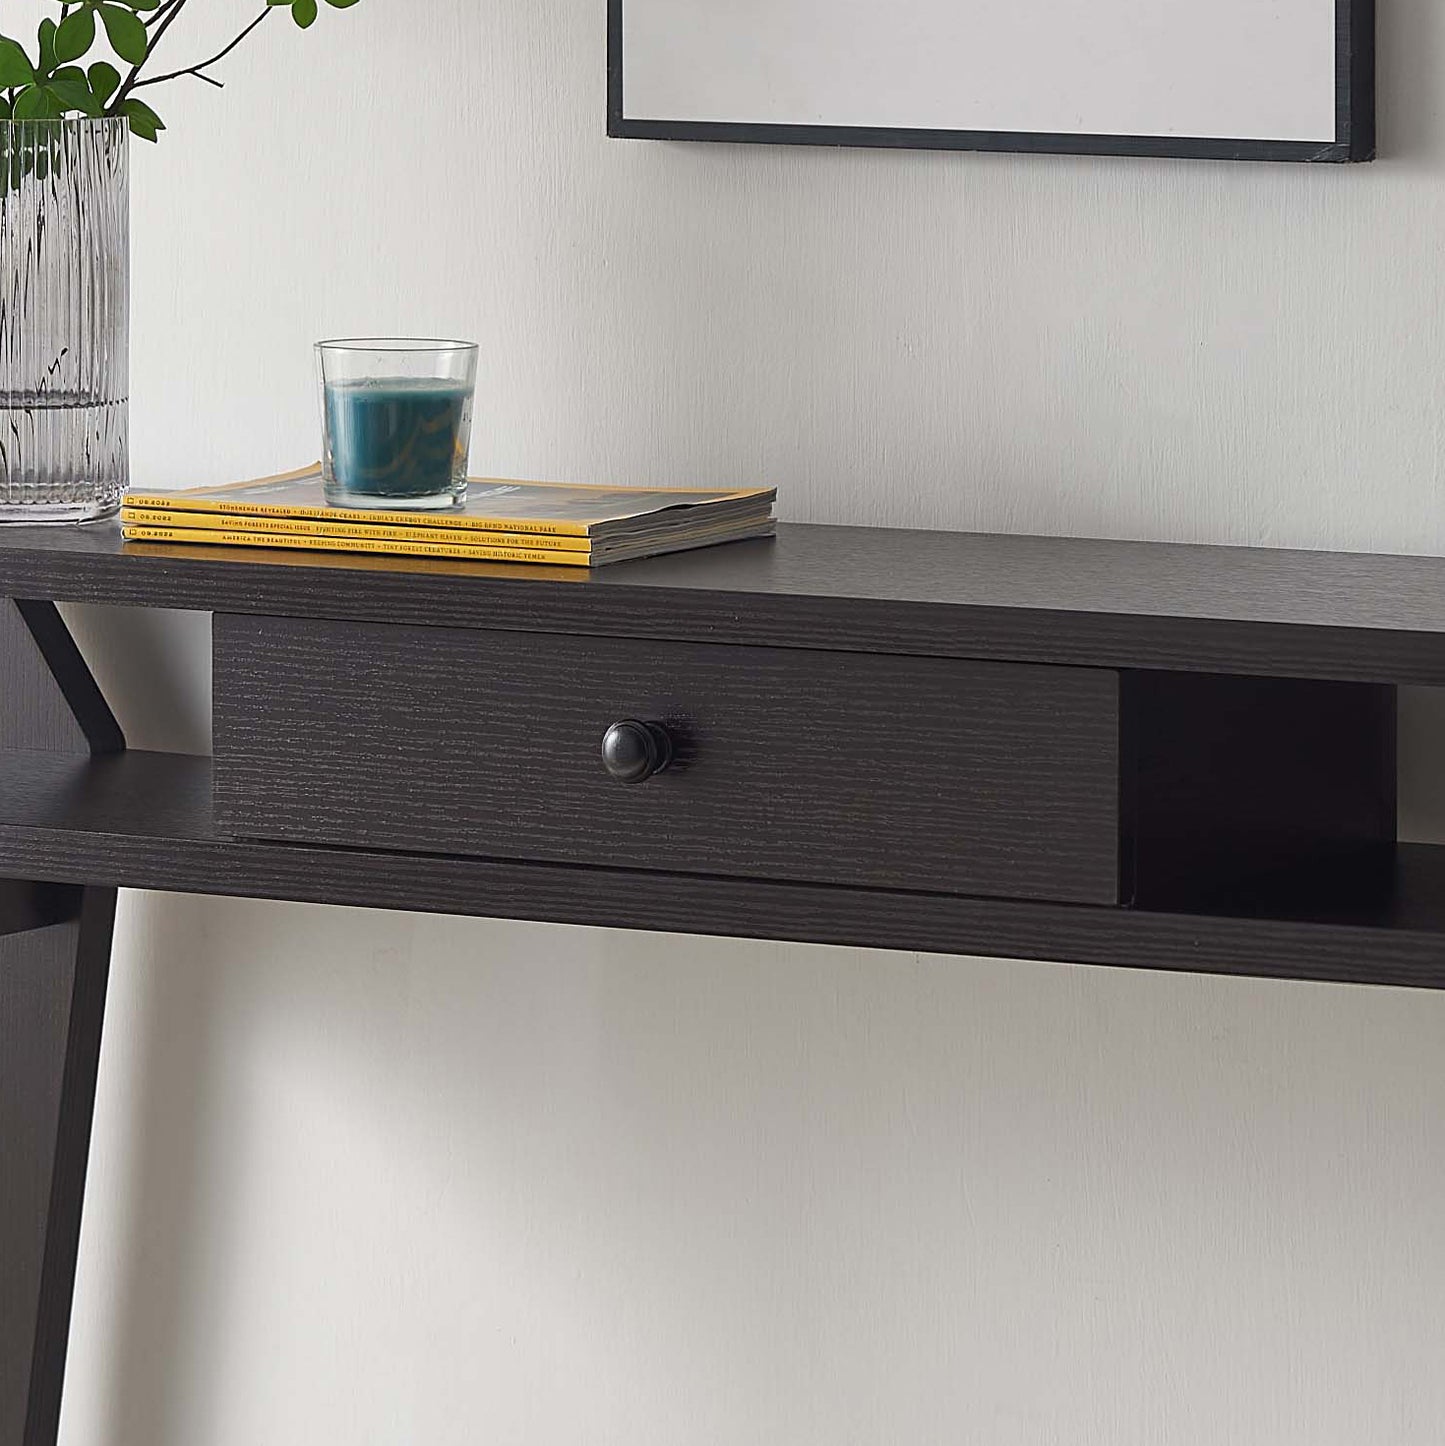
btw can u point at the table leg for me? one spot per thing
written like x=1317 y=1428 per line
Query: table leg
x=54 y=962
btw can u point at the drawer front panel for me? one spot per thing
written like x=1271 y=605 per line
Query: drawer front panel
x=908 y=773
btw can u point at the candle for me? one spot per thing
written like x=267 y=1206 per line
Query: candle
x=398 y=420
x=399 y=437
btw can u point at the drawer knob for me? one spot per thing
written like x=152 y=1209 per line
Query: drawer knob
x=634 y=751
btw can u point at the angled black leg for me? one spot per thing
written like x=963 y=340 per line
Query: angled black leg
x=54 y=961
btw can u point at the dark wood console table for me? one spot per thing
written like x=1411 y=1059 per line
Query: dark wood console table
x=1117 y=753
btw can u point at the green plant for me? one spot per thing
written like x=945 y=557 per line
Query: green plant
x=53 y=83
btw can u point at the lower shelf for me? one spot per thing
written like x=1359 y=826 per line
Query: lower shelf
x=144 y=820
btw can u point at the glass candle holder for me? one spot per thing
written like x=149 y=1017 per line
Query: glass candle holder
x=396 y=421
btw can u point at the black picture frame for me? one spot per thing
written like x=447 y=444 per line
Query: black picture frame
x=1354 y=117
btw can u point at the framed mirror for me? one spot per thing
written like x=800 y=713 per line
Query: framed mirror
x=1237 y=79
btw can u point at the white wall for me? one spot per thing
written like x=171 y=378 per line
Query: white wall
x=374 y=1179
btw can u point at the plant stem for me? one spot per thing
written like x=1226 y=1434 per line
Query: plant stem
x=129 y=83
x=157 y=14
x=204 y=64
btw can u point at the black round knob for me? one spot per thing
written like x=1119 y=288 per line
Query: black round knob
x=634 y=751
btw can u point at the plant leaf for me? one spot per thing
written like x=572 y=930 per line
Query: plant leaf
x=126 y=34
x=74 y=95
x=104 y=78
x=15 y=66
x=341 y=4
x=48 y=61
x=303 y=12
x=144 y=122
x=76 y=35
x=36 y=103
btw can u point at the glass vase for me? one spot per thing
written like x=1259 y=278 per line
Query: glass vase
x=64 y=318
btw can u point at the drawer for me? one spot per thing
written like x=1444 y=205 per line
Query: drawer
x=844 y=768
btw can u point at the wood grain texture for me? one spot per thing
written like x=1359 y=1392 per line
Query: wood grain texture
x=68 y=969
x=970 y=778
x=145 y=820
x=949 y=594
x=35 y=986
x=50 y=699
x=54 y=963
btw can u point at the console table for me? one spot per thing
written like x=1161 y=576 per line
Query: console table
x=1160 y=756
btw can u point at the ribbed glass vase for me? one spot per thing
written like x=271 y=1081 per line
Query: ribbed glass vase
x=64 y=318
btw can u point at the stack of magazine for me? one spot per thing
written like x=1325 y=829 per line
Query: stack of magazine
x=576 y=526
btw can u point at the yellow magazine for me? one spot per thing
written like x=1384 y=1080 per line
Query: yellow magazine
x=552 y=551
x=492 y=505
x=341 y=525
x=564 y=557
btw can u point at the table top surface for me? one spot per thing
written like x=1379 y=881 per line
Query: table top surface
x=1084 y=600
x=947 y=569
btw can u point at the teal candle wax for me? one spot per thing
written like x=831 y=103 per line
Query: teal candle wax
x=398 y=437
